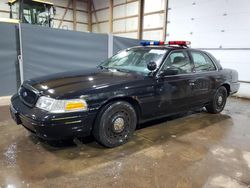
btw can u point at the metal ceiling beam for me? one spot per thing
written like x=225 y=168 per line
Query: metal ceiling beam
x=74 y=15
x=89 y=5
x=140 y=19
x=165 y=20
x=111 y=3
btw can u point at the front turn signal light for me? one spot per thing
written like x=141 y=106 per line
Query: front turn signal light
x=75 y=105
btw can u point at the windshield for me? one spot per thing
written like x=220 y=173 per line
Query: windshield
x=135 y=59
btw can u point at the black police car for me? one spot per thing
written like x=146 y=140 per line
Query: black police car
x=135 y=85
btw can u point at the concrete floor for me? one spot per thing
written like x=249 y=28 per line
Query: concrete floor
x=197 y=150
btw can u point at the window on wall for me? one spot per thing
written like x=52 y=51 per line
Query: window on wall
x=202 y=62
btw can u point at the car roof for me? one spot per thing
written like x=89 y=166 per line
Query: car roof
x=171 y=48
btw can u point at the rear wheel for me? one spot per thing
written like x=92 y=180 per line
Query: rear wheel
x=219 y=101
x=115 y=124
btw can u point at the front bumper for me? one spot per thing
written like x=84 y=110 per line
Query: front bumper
x=51 y=126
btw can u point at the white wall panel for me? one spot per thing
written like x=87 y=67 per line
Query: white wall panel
x=81 y=17
x=60 y=2
x=244 y=90
x=82 y=5
x=101 y=3
x=153 y=35
x=235 y=59
x=153 y=21
x=119 y=11
x=132 y=23
x=154 y=5
x=65 y=25
x=119 y=25
x=104 y=28
x=222 y=20
x=4 y=5
x=82 y=27
x=128 y=35
x=125 y=24
x=68 y=16
x=101 y=15
x=116 y=2
x=125 y=10
x=4 y=15
x=132 y=8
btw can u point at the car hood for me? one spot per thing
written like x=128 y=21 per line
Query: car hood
x=79 y=82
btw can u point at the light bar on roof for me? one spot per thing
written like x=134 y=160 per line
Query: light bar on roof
x=159 y=43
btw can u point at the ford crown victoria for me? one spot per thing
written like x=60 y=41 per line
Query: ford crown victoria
x=135 y=85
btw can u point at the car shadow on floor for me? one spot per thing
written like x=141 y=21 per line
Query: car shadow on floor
x=157 y=126
x=61 y=144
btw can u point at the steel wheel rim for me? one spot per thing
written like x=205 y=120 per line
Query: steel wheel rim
x=220 y=101
x=122 y=120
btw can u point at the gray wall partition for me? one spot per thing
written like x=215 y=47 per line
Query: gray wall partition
x=120 y=43
x=47 y=51
x=9 y=70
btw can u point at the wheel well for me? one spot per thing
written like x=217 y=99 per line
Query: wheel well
x=131 y=101
x=227 y=86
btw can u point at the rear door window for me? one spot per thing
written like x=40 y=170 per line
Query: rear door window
x=202 y=62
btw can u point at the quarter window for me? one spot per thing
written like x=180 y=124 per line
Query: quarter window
x=178 y=61
x=202 y=62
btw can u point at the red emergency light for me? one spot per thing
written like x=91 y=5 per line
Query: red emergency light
x=179 y=43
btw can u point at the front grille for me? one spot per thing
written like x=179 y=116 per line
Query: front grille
x=27 y=96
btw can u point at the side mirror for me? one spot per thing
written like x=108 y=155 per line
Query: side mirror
x=170 y=71
x=152 y=66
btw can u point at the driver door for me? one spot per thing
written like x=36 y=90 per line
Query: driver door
x=174 y=83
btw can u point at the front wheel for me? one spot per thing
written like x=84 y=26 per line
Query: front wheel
x=219 y=101
x=115 y=124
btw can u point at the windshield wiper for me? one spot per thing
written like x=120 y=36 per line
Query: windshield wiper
x=113 y=68
x=121 y=70
x=102 y=67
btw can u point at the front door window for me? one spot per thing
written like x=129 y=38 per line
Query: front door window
x=178 y=61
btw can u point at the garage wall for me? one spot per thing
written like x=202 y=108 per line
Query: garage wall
x=218 y=26
x=125 y=18
x=60 y=5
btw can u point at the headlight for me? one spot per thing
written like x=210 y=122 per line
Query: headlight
x=61 y=106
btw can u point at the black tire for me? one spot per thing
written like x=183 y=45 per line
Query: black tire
x=219 y=101
x=115 y=124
